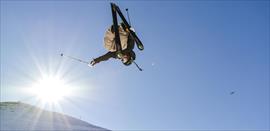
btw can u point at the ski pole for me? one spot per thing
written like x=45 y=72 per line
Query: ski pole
x=70 y=57
x=128 y=17
x=137 y=66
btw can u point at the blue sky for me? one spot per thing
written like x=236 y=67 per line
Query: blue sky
x=196 y=53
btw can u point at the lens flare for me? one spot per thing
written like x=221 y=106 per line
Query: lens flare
x=50 y=89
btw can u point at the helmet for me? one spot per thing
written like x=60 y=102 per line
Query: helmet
x=131 y=57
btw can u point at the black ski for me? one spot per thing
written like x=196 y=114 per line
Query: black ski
x=116 y=30
x=127 y=26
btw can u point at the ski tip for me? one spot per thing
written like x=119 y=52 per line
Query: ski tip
x=61 y=54
x=140 y=47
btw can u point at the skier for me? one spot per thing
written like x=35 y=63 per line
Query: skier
x=119 y=40
x=126 y=55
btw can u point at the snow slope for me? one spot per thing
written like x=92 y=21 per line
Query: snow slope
x=21 y=116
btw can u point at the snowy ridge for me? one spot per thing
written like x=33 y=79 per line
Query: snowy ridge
x=21 y=116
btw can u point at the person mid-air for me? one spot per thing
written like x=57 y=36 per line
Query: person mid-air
x=127 y=55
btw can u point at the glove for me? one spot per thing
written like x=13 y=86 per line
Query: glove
x=93 y=62
x=132 y=29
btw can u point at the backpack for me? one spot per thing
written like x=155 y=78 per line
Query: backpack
x=109 y=41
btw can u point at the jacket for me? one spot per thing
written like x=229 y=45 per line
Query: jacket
x=112 y=54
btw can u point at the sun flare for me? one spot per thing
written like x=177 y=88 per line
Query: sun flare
x=50 y=89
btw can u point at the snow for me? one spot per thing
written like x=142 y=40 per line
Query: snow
x=21 y=116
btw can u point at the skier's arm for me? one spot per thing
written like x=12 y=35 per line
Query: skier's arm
x=104 y=57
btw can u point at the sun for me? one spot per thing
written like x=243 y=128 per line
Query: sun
x=50 y=89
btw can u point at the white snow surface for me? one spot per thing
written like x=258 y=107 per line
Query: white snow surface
x=21 y=116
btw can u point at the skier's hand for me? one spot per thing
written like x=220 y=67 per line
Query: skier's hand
x=132 y=29
x=93 y=62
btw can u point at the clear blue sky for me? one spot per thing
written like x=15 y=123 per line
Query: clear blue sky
x=196 y=53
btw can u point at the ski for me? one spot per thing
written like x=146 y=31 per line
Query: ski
x=115 y=9
x=116 y=30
